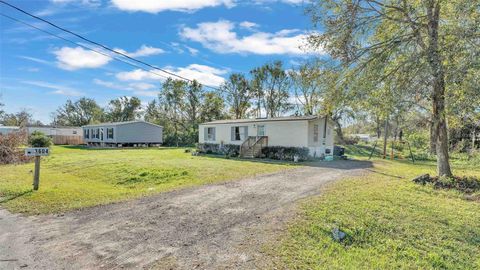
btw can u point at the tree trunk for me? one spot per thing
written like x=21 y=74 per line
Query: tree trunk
x=474 y=135
x=339 y=131
x=385 y=137
x=438 y=95
x=379 y=130
x=433 y=139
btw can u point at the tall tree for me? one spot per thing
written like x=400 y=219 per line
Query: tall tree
x=213 y=107
x=272 y=83
x=172 y=102
x=237 y=94
x=193 y=100
x=306 y=82
x=124 y=109
x=79 y=113
x=19 y=119
x=415 y=32
x=152 y=112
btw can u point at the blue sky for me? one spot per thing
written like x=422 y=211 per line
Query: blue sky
x=199 y=39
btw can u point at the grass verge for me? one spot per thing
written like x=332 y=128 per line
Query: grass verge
x=390 y=223
x=74 y=177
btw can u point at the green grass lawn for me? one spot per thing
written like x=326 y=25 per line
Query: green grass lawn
x=74 y=177
x=390 y=222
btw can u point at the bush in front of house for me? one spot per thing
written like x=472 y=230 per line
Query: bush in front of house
x=208 y=148
x=285 y=153
x=39 y=139
x=230 y=150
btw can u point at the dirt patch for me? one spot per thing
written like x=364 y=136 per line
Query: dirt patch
x=221 y=226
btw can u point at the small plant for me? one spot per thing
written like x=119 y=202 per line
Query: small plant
x=39 y=139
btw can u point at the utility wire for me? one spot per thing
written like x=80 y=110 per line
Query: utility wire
x=99 y=44
x=81 y=45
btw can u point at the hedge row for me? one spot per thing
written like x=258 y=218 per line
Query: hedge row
x=285 y=153
x=231 y=150
x=271 y=152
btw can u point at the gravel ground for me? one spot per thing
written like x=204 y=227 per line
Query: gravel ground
x=220 y=226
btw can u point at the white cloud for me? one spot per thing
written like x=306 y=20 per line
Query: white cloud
x=111 y=85
x=147 y=93
x=248 y=25
x=291 y=2
x=137 y=75
x=155 y=6
x=192 y=51
x=137 y=88
x=220 y=37
x=77 y=58
x=58 y=89
x=36 y=60
x=144 y=50
x=142 y=86
x=204 y=74
x=91 y=3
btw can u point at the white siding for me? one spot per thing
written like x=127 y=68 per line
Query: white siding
x=298 y=133
x=325 y=140
x=280 y=133
x=53 y=131
x=7 y=130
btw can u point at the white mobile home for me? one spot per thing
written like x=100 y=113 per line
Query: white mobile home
x=130 y=133
x=5 y=130
x=313 y=132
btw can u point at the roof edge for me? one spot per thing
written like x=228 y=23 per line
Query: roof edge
x=278 y=119
x=121 y=124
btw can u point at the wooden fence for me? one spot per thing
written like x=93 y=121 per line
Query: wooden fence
x=70 y=140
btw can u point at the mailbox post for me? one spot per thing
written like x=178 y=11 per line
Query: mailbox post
x=36 y=152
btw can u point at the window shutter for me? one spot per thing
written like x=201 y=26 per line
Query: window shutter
x=233 y=134
x=246 y=131
x=214 y=133
x=205 y=134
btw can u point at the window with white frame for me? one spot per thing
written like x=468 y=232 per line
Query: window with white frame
x=261 y=130
x=86 y=133
x=315 y=133
x=209 y=134
x=239 y=133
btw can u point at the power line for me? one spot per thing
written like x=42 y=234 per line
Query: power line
x=96 y=43
x=81 y=45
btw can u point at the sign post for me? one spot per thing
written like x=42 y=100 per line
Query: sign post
x=37 y=152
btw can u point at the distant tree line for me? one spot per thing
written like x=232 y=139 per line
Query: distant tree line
x=266 y=91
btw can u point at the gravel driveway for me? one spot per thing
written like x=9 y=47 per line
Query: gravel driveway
x=219 y=226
